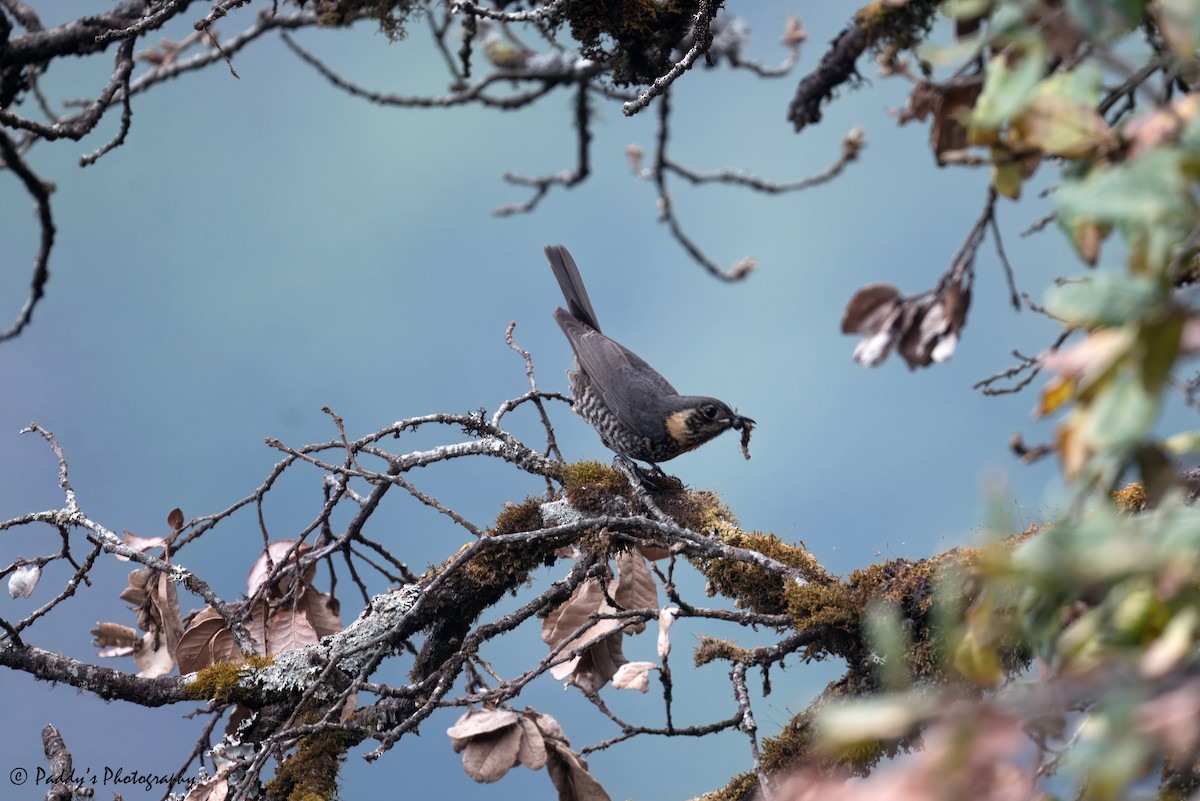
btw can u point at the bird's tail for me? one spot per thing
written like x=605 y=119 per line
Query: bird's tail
x=571 y=282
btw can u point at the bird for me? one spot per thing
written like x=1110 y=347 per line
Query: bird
x=636 y=411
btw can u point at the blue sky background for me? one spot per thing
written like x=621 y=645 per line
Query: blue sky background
x=264 y=246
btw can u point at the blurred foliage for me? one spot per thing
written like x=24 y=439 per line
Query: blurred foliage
x=1106 y=600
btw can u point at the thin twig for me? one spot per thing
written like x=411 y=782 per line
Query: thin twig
x=705 y=13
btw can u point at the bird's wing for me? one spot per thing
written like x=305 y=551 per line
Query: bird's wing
x=622 y=378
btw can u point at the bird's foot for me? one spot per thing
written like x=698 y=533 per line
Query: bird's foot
x=653 y=480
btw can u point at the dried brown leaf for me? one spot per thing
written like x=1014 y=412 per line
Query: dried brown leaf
x=23 y=580
x=925 y=327
x=532 y=753
x=289 y=631
x=322 y=610
x=922 y=101
x=136 y=591
x=237 y=717
x=349 y=707
x=571 y=778
x=166 y=607
x=592 y=669
x=109 y=635
x=197 y=648
x=215 y=788
x=256 y=626
x=482 y=721
x=152 y=657
x=156 y=602
x=115 y=651
x=276 y=553
x=149 y=653
x=869 y=309
x=569 y=616
x=950 y=105
x=548 y=726
x=141 y=544
x=633 y=676
x=952 y=116
x=207 y=613
x=598 y=665
x=653 y=552
x=636 y=588
x=1092 y=356
x=666 y=616
x=488 y=757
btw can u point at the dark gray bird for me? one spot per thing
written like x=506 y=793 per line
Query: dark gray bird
x=636 y=411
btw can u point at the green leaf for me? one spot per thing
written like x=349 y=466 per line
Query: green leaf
x=1060 y=127
x=1006 y=175
x=1080 y=85
x=953 y=54
x=1160 y=341
x=1106 y=19
x=966 y=9
x=1105 y=299
x=1148 y=191
x=1061 y=117
x=1123 y=413
x=1148 y=199
x=1008 y=88
x=1179 y=23
x=1183 y=442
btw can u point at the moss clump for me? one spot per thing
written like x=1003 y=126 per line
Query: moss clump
x=1132 y=498
x=634 y=39
x=517 y=517
x=390 y=14
x=832 y=606
x=752 y=586
x=222 y=682
x=739 y=788
x=840 y=608
x=509 y=565
x=711 y=649
x=311 y=772
x=904 y=27
x=700 y=511
x=957 y=577
x=502 y=569
x=592 y=487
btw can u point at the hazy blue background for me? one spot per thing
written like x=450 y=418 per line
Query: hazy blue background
x=264 y=246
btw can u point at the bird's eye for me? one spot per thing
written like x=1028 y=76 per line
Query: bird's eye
x=709 y=411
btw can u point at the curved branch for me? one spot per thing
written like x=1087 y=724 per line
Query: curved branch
x=40 y=191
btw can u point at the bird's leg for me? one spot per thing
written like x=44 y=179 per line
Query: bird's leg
x=640 y=482
x=652 y=479
x=657 y=471
x=627 y=466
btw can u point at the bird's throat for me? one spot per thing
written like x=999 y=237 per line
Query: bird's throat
x=677 y=427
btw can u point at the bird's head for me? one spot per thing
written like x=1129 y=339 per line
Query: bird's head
x=697 y=420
